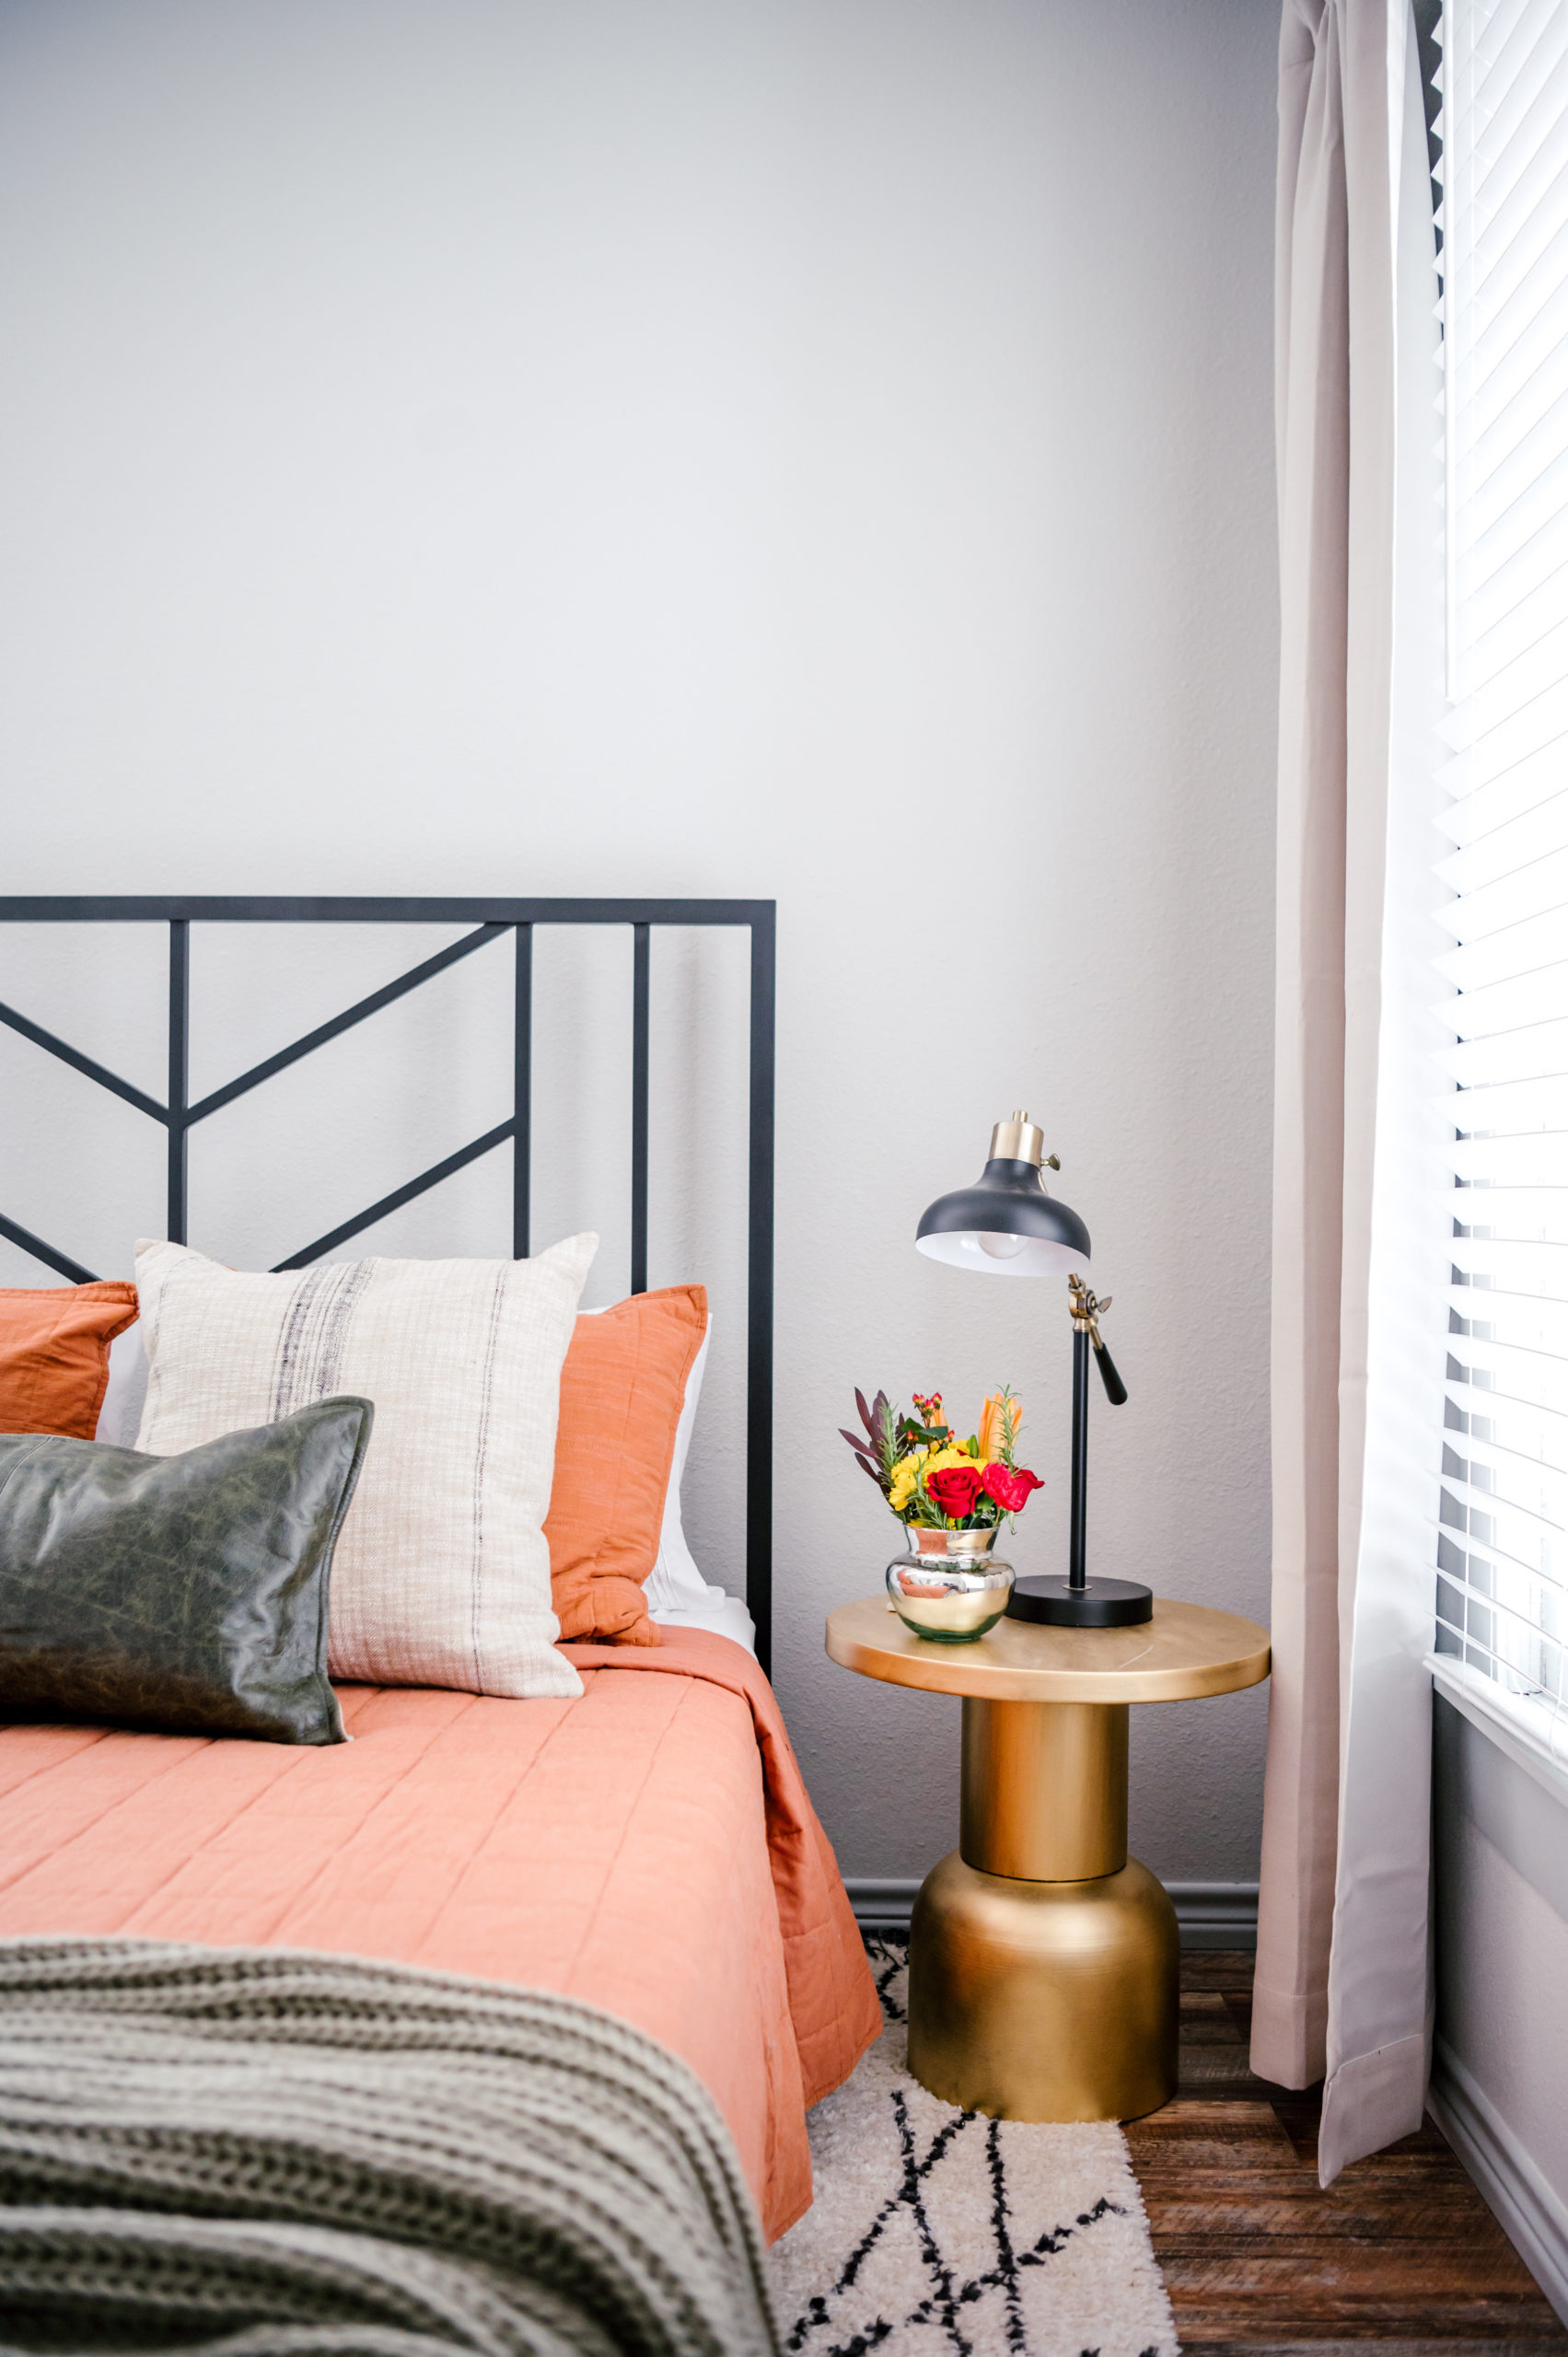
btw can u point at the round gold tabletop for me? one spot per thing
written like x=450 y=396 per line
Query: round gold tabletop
x=1186 y=1651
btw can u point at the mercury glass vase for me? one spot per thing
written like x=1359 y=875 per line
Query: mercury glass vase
x=949 y=1584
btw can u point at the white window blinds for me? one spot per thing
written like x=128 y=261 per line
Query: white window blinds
x=1503 y=1564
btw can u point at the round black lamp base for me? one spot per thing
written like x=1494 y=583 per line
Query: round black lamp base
x=1103 y=1604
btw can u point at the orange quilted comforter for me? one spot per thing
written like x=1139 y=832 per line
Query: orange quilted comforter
x=650 y=1848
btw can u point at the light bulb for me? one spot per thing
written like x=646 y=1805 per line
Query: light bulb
x=1002 y=1247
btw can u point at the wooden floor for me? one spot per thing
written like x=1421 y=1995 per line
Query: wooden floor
x=1400 y=2252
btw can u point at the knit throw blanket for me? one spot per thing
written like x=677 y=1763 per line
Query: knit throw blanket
x=264 y=2152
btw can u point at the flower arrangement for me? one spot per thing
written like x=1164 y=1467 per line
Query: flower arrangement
x=930 y=1478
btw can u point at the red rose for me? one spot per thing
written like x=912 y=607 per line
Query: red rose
x=1011 y=1491
x=955 y=1490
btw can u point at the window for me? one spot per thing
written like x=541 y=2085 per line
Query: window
x=1503 y=1562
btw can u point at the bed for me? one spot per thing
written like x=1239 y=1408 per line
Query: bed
x=647 y=1848
x=565 y=1845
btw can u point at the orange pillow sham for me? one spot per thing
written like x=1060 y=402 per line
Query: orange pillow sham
x=622 y=1387
x=54 y=1354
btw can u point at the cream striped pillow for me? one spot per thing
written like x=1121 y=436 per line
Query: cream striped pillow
x=442 y=1573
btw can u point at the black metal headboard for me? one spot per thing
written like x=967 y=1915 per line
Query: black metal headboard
x=491 y=919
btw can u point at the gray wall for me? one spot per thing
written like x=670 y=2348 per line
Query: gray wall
x=1500 y=2075
x=816 y=448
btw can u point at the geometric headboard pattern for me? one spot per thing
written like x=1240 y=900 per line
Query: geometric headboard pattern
x=491 y=920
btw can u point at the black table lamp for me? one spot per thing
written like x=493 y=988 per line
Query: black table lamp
x=1006 y=1226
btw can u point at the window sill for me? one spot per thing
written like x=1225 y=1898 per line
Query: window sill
x=1512 y=1726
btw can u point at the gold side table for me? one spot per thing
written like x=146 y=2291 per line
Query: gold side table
x=1042 y=1958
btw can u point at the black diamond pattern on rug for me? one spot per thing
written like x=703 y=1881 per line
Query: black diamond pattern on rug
x=937 y=2233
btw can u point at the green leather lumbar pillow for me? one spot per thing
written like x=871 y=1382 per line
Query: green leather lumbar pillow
x=182 y=1593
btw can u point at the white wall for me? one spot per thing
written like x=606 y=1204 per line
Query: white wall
x=816 y=448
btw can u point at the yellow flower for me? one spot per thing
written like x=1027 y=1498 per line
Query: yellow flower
x=918 y=1463
x=905 y=1473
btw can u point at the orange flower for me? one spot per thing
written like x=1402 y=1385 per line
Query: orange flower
x=994 y=1421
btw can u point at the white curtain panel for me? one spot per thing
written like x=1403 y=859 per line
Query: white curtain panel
x=1342 y=1974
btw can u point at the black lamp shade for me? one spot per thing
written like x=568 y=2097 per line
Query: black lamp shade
x=1005 y=1226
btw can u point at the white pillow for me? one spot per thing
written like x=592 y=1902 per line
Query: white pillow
x=675 y=1584
x=125 y=1390
x=723 y=1616
x=678 y=1597
x=442 y=1572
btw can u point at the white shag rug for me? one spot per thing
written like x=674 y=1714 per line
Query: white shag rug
x=939 y=2233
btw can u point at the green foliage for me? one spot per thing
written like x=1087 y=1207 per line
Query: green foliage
x=1009 y=1426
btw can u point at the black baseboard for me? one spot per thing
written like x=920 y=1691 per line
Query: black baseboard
x=1211 y=1914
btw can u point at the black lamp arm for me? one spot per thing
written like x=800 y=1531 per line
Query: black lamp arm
x=1085 y=1313
x=1115 y=1389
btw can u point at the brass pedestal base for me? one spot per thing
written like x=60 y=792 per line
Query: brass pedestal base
x=1044 y=1999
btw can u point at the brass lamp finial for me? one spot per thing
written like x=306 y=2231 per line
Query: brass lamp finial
x=1021 y=1140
